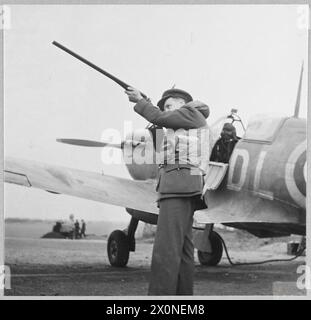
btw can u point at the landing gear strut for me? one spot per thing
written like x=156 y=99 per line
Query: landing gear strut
x=120 y=243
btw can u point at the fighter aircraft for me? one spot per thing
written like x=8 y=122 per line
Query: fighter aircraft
x=262 y=190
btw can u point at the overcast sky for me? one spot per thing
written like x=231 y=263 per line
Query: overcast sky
x=247 y=57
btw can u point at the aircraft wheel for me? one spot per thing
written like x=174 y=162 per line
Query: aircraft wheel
x=212 y=259
x=118 y=249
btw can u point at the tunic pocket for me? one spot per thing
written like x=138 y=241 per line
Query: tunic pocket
x=180 y=180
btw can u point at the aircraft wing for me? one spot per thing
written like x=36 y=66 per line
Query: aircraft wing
x=228 y=206
x=139 y=195
x=224 y=206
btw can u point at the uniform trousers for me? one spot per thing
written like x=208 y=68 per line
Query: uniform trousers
x=172 y=265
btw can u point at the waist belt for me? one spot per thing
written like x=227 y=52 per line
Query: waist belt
x=176 y=165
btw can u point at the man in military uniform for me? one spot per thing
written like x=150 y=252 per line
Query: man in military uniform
x=179 y=186
x=225 y=144
x=83 y=228
x=77 y=230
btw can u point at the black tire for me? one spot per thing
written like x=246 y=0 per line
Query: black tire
x=118 y=249
x=212 y=259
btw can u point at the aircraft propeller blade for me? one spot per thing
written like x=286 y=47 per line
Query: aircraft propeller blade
x=90 y=143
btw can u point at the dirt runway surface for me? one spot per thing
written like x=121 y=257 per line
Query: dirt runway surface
x=45 y=267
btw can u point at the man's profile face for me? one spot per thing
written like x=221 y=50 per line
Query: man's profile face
x=172 y=104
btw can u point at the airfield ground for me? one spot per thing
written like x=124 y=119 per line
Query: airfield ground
x=57 y=267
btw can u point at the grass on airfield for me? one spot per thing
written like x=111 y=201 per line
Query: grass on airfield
x=81 y=267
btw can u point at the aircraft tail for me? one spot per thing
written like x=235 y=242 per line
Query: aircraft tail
x=297 y=106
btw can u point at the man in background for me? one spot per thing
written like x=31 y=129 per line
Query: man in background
x=77 y=230
x=225 y=144
x=83 y=228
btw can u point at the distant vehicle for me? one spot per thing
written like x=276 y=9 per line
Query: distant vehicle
x=66 y=229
